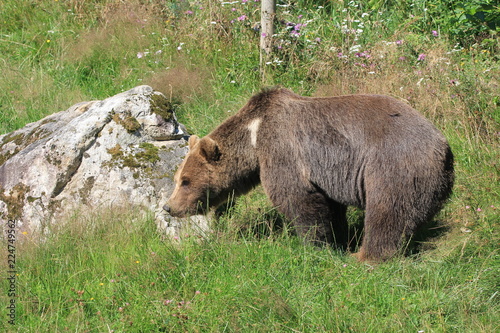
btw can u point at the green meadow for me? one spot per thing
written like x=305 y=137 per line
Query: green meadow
x=112 y=271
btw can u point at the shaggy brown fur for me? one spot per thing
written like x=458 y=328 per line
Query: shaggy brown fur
x=316 y=156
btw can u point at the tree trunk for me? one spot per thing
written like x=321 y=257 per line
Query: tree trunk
x=268 y=12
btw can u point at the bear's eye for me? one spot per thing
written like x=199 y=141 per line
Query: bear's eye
x=185 y=183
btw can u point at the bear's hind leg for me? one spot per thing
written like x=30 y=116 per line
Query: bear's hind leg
x=385 y=234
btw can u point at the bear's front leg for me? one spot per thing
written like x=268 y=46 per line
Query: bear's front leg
x=311 y=216
x=314 y=215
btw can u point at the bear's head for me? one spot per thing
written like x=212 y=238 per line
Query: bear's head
x=197 y=187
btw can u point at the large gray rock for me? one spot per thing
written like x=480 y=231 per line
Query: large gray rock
x=122 y=151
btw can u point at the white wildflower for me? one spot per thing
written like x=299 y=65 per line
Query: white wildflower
x=355 y=48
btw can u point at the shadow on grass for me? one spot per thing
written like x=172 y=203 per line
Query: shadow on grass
x=258 y=223
x=426 y=237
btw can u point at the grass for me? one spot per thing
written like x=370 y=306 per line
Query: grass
x=112 y=271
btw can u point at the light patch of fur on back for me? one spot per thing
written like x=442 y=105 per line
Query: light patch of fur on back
x=253 y=127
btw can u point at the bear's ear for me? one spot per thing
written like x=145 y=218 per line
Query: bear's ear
x=193 y=139
x=209 y=149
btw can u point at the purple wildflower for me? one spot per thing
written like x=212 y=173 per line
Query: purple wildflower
x=362 y=55
x=421 y=57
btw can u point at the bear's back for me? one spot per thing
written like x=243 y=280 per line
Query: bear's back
x=367 y=120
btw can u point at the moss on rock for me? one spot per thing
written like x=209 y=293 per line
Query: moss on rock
x=128 y=122
x=161 y=106
x=141 y=157
x=115 y=151
x=149 y=154
x=21 y=140
x=14 y=199
x=84 y=191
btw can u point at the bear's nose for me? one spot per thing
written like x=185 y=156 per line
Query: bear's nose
x=166 y=208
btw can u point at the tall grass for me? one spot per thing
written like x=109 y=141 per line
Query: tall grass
x=112 y=271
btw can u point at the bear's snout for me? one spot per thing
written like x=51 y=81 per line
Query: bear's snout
x=174 y=212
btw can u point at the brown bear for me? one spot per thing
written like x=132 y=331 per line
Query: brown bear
x=316 y=156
